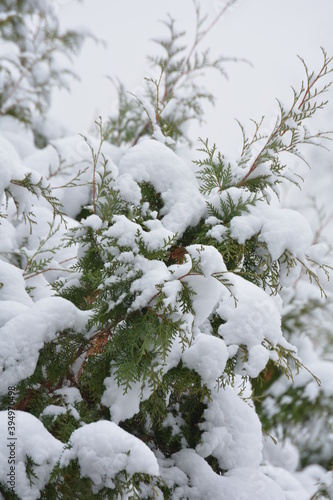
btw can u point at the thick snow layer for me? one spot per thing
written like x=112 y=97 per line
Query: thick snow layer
x=33 y=440
x=258 y=357
x=281 y=454
x=123 y=405
x=208 y=356
x=22 y=337
x=232 y=431
x=154 y=273
x=253 y=318
x=239 y=483
x=8 y=239
x=281 y=229
x=104 y=450
x=292 y=488
x=208 y=289
x=250 y=315
x=23 y=145
x=209 y=258
x=127 y=233
x=153 y=162
x=13 y=285
x=9 y=309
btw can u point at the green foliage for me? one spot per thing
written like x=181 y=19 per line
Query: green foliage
x=64 y=481
x=296 y=411
x=238 y=192
x=288 y=134
x=7 y=493
x=214 y=172
x=30 y=470
x=37 y=188
x=132 y=330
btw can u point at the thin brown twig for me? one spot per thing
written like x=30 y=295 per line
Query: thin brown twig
x=47 y=269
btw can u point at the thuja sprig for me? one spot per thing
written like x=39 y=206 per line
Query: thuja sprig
x=287 y=357
x=128 y=119
x=312 y=275
x=33 y=265
x=215 y=172
x=289 y=131
x=66 y=168
x=96 y=157
x=178 y=68
x=37 y=188
x=39 y=39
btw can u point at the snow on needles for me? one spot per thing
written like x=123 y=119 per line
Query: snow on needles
x=232 y=431
x=153 y=162
x=103 y=450
x=36 y=442
x=249 y=319
x=27 y=328
x=280 y=228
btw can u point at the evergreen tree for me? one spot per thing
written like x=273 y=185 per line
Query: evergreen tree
x=32 y=43
x=144 y=346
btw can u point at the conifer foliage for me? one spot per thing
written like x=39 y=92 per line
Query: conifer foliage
x=31 y=45
x=143 y=351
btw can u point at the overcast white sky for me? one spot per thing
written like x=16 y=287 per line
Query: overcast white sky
x=270 y=33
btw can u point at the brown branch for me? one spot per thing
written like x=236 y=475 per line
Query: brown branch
x=47 y=269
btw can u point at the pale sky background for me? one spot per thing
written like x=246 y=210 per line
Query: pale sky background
x=269 y=33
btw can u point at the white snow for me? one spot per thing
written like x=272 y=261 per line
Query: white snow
x=207 y=356
x=104 y=450
x=239 y=483
x=128 y=232
x=71 y=395
x=231 y=431
x=250 y=318
x=154 y=162
x=281 y=229
x=281 y=454
x=13 y=285
x=22 y=337
x=247 y=320
x=32 y=439
x=93 y=221
x=123 y=405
